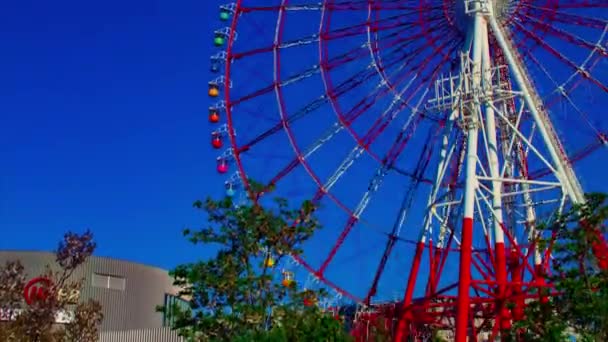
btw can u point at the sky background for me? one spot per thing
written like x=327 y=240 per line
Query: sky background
x=102 y=110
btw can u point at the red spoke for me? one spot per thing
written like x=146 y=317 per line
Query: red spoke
x=600 y=142
x=584 y=73
x=569 y=18
x=566 y=36
x=423 y=162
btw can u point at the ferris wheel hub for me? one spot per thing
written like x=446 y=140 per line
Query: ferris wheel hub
x=464 y=10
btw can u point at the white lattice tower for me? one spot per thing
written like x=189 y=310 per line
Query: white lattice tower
x=480 y=102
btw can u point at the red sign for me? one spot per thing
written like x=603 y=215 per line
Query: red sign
x=37 y=289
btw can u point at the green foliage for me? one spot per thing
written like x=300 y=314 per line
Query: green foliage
x=308 y=324
x=580 y=303
x=238 y=295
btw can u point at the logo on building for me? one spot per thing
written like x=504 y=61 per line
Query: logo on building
x=38 y=290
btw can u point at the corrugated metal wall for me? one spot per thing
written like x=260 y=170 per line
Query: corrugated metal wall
x=141 y=335
x=133 y=308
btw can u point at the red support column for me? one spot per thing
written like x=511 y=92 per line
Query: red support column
x=462 y=306
x=405 y=315
x=516 y=277
x=501 y=279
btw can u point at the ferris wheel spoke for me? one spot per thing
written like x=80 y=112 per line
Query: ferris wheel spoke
x=309 y=108
x=392 y=46
x=384 y=119
x=312 y=6
x=292 y=118
x=354 y=81
x=328 y=36
x=341 y=170
x=333 y=34
x=382 y=122
x=418 y=18
x=361 y=28
x=410 y=193
x=353 y=5
x=576 y=68
x=291 y=79
x=269 y=88
x=350 y=159
x=365 y=5
x=348 y=118
x=585 y=117
x=352 y=30
x=374 y=49
x=314 y=147
x=567 y=36
x=574 y=4
x=447 y=38
x=601 y=141
x=379 y=62
x=235 y=56
x=391 y=43
x=395 y=57
x=374 y=184
x=341 y=89
x=355 y=153
x=562 y=92
x=570 y=18
x=382 y=66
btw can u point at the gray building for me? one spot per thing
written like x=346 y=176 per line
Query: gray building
x=128 y=292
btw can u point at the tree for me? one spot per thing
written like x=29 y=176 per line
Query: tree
x=239 y=295
x=33 y=319
x=579 y=303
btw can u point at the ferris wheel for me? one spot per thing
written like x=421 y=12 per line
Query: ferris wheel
x=433 y=135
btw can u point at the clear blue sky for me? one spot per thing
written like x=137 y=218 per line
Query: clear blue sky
x=102 y=124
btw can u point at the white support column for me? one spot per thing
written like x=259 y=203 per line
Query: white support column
x=490 y=128
x=472 y=127
x=570 y=185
